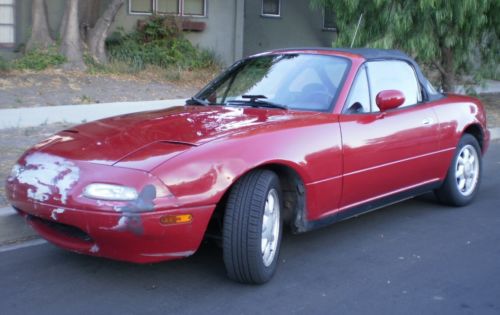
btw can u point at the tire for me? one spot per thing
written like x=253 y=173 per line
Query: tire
x=249 y=206
x=464 y=174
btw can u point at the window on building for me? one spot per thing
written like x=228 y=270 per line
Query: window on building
x=171 y=7
x=193 y=7
x=142 y=6
x=168 y=7
x=329 y=19
x=271 y=7
x=7 y=21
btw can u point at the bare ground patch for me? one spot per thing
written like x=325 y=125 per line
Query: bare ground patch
x=58 y=87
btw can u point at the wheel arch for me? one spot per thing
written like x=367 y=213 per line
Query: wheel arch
x=293 y=194
x=476 y=131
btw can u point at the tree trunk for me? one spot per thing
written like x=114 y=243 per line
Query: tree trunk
x=40 y=34
x=448 y=73
x=64 y=24
x=71 y=46
x=99 y=33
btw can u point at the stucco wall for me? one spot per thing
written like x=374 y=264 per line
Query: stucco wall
x=297 y=26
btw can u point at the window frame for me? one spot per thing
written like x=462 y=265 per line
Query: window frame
x=420 y=99
x=13 y=25
x=269 y=14
x=180 y=13
x=362 y=70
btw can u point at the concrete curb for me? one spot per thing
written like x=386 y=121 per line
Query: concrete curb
x=494 y=133
x=7 y=211
x=75 y=114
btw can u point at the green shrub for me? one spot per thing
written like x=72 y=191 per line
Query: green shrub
x=157 y=41
x=4 y=65
x=39 y=59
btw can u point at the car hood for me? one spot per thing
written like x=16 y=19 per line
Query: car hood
x=143 y=140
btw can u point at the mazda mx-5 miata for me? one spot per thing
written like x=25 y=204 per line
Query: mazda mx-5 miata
x=297 y=137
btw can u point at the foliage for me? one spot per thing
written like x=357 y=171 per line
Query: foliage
x=4 y=65
x=159 y=42
x=39 y=59
x=444 y=35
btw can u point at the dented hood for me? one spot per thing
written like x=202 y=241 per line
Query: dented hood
x=143 y=140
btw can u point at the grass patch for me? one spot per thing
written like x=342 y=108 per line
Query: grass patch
x=39 y=60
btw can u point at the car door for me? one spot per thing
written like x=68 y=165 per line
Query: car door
x=390 y=151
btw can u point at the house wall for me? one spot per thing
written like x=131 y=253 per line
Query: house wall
x=223 y=34
x=234 y=28
x=298 y=26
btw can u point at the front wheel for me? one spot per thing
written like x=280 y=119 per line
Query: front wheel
x=252 y=228
x=464 y=175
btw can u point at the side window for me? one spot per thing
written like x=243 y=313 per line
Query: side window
x=393 y=75
x=358 y=100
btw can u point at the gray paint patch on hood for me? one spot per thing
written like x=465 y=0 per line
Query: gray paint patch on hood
x=46 y=174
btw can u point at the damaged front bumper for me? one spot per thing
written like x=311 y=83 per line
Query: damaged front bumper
x=115 y=236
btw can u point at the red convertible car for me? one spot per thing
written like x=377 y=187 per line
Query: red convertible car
x=297 y=137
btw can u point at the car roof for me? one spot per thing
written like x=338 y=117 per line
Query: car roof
x=366 y=53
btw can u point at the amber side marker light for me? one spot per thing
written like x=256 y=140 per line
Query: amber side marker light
x=176 y=219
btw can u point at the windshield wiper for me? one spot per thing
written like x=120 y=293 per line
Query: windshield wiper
x=256 y=101
x=197 y=101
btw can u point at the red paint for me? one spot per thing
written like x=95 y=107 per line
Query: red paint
x=389 y=99
x=193 y=154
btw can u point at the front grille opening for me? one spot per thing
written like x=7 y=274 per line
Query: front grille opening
x=65 y=229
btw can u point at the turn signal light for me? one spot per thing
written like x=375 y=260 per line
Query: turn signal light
x=176 y=219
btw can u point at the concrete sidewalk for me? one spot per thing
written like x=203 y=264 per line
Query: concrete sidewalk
x=75 y=114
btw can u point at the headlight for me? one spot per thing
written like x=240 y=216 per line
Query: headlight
x=14 y=172
x=110 y=192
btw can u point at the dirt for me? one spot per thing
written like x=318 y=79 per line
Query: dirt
x=56 y=87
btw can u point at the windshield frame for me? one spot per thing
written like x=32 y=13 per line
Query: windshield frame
x=215 y=83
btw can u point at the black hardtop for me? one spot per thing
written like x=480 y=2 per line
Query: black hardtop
x=367 y=53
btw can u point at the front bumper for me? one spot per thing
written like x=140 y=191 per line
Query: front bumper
x=140 y=238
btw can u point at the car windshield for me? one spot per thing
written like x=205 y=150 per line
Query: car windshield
x=293 y=81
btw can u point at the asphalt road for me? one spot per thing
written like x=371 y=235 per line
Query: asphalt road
x=415 y=257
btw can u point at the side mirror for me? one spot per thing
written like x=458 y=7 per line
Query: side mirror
x=389 y=99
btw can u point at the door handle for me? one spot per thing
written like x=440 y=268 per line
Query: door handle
x=427 y=121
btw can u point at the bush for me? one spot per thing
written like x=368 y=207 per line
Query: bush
x=39 y=59
x=4 y=65
x=157 y=41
